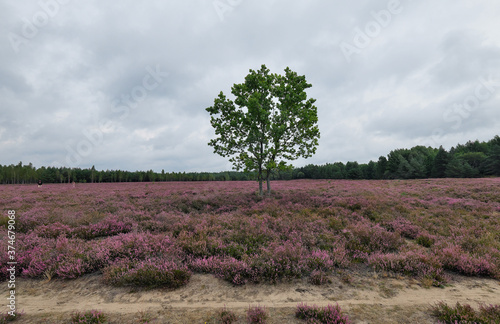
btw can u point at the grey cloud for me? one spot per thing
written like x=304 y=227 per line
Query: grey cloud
x=71 y=77
x=464 y=58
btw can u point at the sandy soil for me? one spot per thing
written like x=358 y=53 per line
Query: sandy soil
x=365 y=297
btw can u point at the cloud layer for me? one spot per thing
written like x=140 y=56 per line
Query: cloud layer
x=125 y=85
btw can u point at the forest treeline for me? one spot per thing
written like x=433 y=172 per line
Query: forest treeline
x=470 y=160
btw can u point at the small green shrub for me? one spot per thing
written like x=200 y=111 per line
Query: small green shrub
x=257 y=314
x=225 y=316
x=317 y=315
x=336 y=224
x=466 y=314
x=88 y=317
x=425 y=241
x=6 y=317
x=319 y=277
x=490 y=313
x=4 y=220
x=149 y=274
x=145 y=318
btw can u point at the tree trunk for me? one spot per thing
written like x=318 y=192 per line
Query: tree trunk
x=261 y=192
x=259 y=177
x=268 y=185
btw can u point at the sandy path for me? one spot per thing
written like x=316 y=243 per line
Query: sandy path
x=205 y=293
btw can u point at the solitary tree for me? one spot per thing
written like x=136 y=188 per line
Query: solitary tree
x=270 y=121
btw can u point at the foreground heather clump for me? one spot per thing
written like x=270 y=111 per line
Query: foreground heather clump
x=230 y=269
x=308 y=229
x=10 y=317
x=257 y=314
x=319 y=277
x=466 y=314
x=318 y=315
x=89 y=317
x=225 y=316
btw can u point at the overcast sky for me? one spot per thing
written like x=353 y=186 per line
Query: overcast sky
x=124 y=84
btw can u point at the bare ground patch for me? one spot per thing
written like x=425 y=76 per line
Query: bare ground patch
x=366 y=297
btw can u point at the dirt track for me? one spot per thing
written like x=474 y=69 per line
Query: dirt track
x=368 y=298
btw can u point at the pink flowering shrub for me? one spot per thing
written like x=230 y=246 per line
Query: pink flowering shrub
x=306 y=229
x=140 y=246
x=62 y=257
x=53 y=230
x=257 y=314
x=364 y=237
x=274 y=263
x=35 y=255
x=456 y=259
x=404 y=227
x=193 y=244
x=490 y=312
x=474 y=239
x=230 y=269
x=340 y=256
x=89 y=317
x=108 y=227
x=317 y=315
x=71 y=268
x=319 y=260
x=4 y=258
x=285 y=260
x=153 y=226
x=71 y=258
x=31 y=219
x=225 y=316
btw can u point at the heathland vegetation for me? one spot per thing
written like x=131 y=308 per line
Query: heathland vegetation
x=158 y=234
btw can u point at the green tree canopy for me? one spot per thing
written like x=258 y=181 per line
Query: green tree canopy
x=270 y=122
x=441 y=160
x=492 y=163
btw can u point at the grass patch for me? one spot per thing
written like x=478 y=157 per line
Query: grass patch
x=88 y=317
x=466 y=314
x=318 y=315
x=147 y=274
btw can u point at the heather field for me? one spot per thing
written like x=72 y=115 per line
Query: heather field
x=317 y=234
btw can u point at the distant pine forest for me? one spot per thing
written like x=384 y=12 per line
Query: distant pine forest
x=471 y=160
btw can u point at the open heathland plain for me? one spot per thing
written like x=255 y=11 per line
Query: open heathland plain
x=187 y=252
